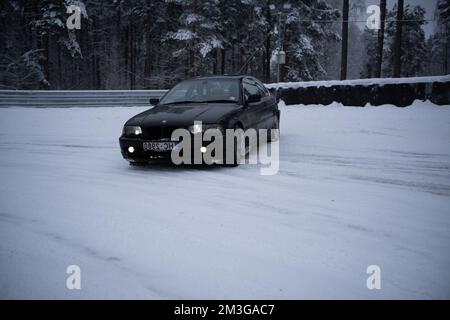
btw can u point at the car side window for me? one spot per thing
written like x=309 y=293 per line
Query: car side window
x=251 y=88
x=264 y=91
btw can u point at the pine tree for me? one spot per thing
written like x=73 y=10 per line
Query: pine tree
x=198 y=33
x=413 y=46
x=305 y=39
x=369 y=38
x=56 y=39
x=440 y=42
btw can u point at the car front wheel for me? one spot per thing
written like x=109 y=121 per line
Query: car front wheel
x=138 y=163
x=274 y=134
x=239 y=151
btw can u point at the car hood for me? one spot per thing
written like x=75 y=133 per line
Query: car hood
x=183 y=115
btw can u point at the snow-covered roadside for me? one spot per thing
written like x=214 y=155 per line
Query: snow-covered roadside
x=356 y=187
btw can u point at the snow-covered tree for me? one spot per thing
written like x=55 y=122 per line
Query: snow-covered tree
x=307 y=31
x=198 y=32
x=369 y=68
x=413 y=45
x=50 y=26
x=439 y=42
x=154 y=44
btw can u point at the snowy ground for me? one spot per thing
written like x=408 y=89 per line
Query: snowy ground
x=356 y=187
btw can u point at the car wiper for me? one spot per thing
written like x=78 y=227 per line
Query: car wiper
x=182 y=102
x=220 y=101
x=206 y=101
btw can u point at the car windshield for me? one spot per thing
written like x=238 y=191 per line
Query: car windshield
x=203 y=90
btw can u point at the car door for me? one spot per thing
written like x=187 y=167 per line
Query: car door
x=269 y=108
x=255 y=110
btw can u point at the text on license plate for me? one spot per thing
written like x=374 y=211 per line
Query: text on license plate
x=158 y=146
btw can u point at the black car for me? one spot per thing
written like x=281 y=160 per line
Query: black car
x=219 y=102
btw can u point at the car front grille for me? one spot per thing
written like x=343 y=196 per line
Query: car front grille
x=162 y=132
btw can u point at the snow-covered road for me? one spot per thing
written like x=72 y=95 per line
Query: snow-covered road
x=356 y=187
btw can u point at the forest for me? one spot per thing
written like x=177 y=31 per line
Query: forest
x=143 y=44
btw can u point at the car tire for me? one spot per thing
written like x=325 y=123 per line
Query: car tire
x=274 y=136
x=237 y=152
x=138 y=163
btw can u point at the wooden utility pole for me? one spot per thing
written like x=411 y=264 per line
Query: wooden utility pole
x=381 y=38
x=344 y=46
x=446 y=27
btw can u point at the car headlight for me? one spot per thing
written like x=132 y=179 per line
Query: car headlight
x=132 y=130
x=198 y=128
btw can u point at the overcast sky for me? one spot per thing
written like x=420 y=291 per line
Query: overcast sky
x=428 y=5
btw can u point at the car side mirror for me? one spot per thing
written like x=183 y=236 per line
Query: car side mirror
x=254 y=98
x=154 y=101
x=276 y=93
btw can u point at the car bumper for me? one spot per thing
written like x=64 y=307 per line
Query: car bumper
x=139 y=154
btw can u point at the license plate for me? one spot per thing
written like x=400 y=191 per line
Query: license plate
x=158 y=146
